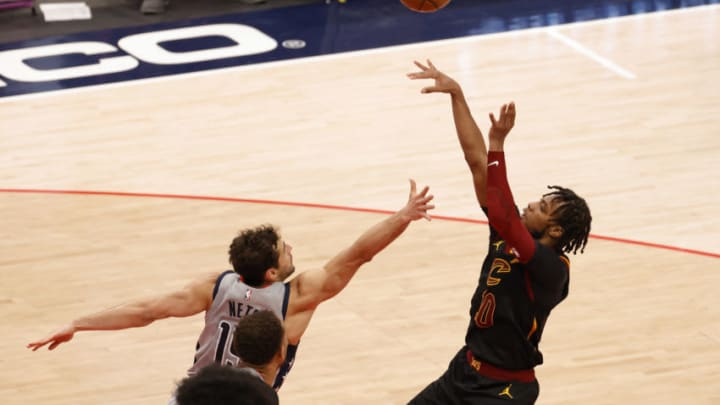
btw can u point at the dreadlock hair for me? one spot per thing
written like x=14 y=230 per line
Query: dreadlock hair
x=254 y=251
x=573 y=215
x=258 y=338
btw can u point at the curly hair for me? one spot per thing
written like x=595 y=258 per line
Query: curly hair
x=573 y=215
x=254 y=251
x=258 y=338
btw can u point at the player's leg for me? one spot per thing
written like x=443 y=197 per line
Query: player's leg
x=439 y=392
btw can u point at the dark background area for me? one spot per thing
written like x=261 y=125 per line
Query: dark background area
x=20 y=24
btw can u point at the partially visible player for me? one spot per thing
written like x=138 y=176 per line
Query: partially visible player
x=524 y=276
x=262 y=261
x=224 y=385
x=261 y=343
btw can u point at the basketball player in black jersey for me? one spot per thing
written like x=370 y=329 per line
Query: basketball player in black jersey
x=525 y=273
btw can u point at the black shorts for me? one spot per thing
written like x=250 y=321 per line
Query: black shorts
x=461 y=384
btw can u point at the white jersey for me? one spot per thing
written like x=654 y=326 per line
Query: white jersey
x=232 y=300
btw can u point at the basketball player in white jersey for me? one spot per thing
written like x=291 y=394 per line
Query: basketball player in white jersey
x=261 y=260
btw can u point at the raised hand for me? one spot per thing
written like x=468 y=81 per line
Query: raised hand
x=63 y=335
x=443 y=82
x=502 y=126
x=418 y=204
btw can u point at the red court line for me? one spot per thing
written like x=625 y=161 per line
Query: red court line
x=327 y=206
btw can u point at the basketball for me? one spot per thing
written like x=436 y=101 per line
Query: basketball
x=425 y=6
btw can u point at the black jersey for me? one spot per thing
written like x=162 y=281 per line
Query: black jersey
x=512 y=302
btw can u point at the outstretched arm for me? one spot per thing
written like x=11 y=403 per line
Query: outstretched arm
x=311 y=288
x=469 y=135
x=192 y=299
x=502 y=212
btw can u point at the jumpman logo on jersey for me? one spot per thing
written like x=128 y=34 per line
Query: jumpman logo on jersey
x=506 y=391
x=498 y=244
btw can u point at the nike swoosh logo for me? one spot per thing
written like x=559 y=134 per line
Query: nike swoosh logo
x=494 y=163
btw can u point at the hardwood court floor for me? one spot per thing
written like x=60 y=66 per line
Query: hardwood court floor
x=641 y=324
